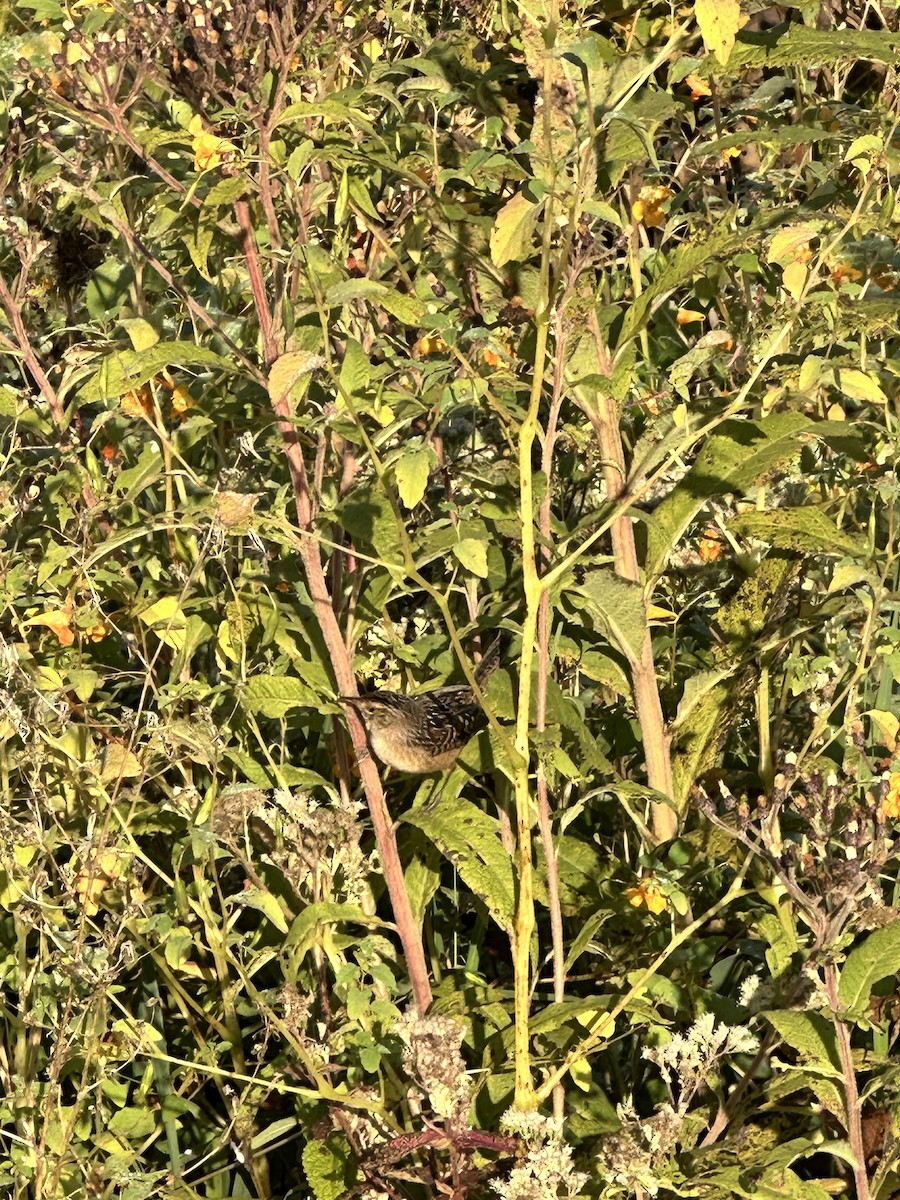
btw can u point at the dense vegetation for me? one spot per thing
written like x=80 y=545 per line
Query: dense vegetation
x=333 y=338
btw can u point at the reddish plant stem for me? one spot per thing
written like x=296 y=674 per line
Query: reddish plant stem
x=343 y=669
x=342 y=664
x=29 y=357
x=257 y=283
x=853 y=1121
x=643 y=669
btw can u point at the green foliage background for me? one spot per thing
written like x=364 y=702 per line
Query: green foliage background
x=429 y=249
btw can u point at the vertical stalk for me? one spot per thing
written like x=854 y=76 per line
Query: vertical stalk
x=643 y=669
x=545 y=822
x=525 y=919
x=853 y=1120
x=323 y=603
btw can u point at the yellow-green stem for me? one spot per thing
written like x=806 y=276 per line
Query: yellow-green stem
x=525 y=1097
x=525 y=920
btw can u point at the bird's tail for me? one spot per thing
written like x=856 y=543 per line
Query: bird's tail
x=491 y=660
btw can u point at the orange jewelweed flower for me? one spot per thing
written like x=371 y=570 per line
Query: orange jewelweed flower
x=646 y=209
x=649 y=894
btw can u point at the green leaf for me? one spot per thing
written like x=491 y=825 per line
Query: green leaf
x=422 y=877
x=367 y=515
x=141 y=332
x=108 y=289
x=864 y=148
x=733 y=459
x=263 y=901
x=148 y=468
x=305 y=930
x=861 y=385
x=630 y=131
x=470 y=839
x=800 y=46
x=811 y=1035
x=83 y=682
x=300 y=158
x=356 y=370
x=329 y=1167
x=783 y=1184
x=779 y=932
x=134 y=1124
x=874 y=960
x=511 y=237
x=226 y=191
x=124 y=370
x=681 y=266
x=275 y=695
x=411 y=470
x=806 y=529
x=770 y=137
x=620 y=604
x=827 y=1091
x=472 y=553
x=199 y=240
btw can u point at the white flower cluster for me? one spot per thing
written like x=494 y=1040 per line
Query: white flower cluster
x=755 y=994
x=547 y=1171
x=689 y=1058
x=433 y=1055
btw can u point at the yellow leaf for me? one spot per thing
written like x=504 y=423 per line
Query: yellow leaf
x=288 y=370
x=791 y=244
x=93 y=877
x=836 y=413
x=794 y=278
x=719 y=22
x=887 y=724
x=117 y=762
x=167 y=620
x=581 y=1074
x=511 y=236
x=140 y=332
x=655 y=613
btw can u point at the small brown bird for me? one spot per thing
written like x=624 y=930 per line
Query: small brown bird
x=422 y=734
